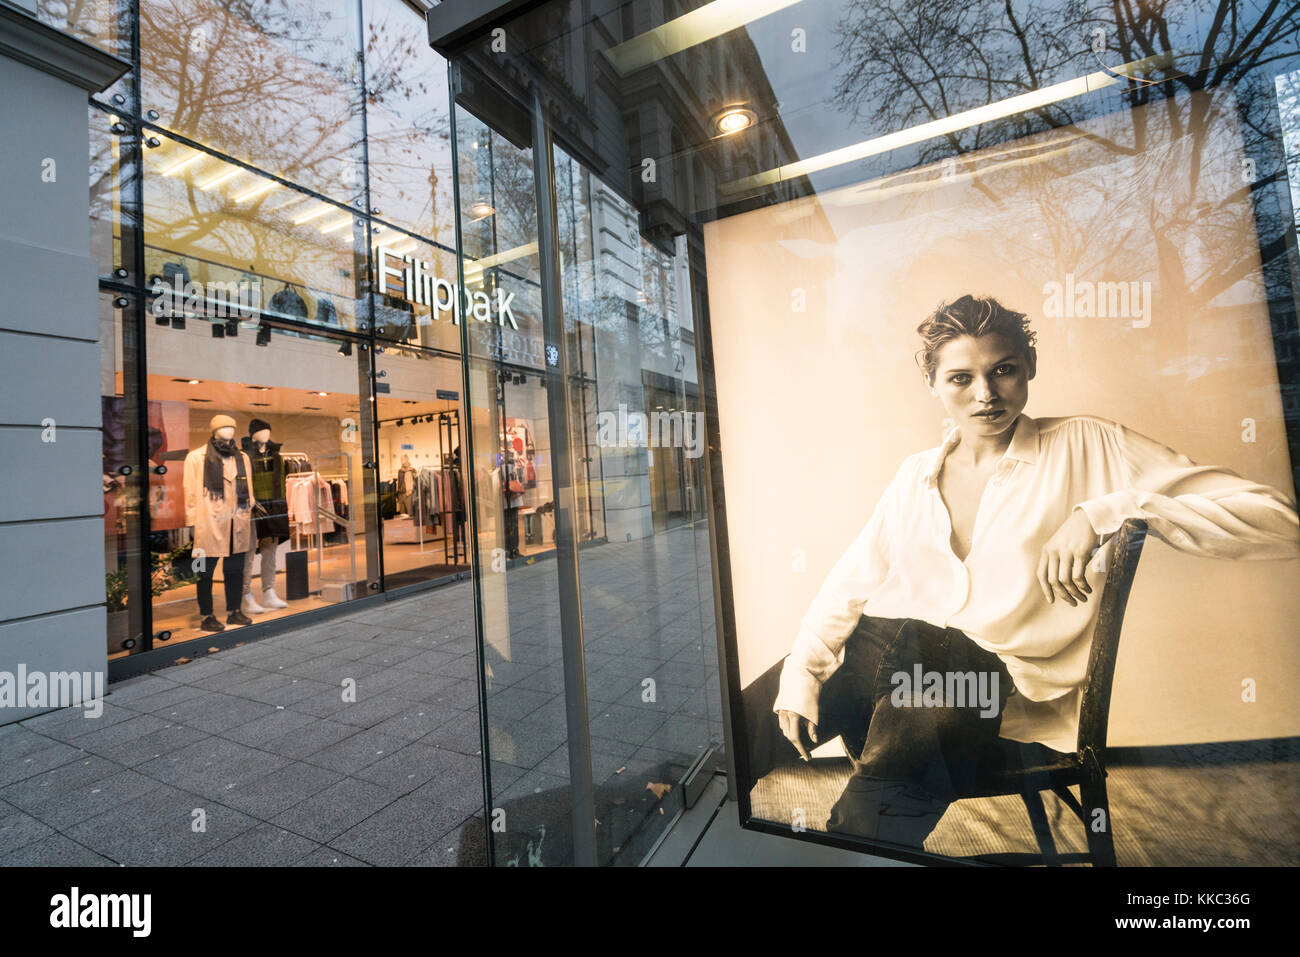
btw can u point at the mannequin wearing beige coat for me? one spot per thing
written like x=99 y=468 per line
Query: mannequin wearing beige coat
x=222 y=530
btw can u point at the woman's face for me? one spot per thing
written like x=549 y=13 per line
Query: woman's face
x=983 y=383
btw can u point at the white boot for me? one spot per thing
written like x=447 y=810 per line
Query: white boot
x=251 y=607
x=272 y=600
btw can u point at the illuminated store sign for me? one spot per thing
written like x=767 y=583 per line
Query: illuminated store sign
x=420 y=286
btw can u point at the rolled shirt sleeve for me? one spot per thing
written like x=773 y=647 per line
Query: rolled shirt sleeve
x=834 y=613
x=1197 y=509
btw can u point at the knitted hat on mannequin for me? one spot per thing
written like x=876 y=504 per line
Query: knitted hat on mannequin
x=221 y=422
x=257 y=425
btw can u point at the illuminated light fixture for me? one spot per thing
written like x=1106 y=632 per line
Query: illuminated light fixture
x=256 y=191
x=193 y=381
x=182 y=164
x=310 y=216
x=1022 y=103
x=474 y=270
x=733 y=120
x=345 y=349
x=700 y=25
x=320 y=393
x=481 y=210
x=220 y=178
x=335 y=226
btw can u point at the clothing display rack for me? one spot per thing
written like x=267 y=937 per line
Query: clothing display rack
x=313 y=512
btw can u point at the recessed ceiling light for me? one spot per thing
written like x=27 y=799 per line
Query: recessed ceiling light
x=312 y=408
x=255 y=191
x=318 y=393
x=259 y=388
x=310 y=216
x=733 y=120
x=261 y=405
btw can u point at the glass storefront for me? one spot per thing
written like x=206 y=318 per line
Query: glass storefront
x=275 y=234
x=778 y=196
x=374 y=319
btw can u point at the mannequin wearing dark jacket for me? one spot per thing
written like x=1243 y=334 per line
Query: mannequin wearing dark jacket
x=271 y=518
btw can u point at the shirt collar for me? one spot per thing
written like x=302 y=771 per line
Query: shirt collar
x=1023 y=448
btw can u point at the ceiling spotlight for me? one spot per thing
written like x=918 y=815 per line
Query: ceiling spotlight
x=345 y=349
x=263 y=339
x=399 y=423
x=733 y=120
x=481 y=209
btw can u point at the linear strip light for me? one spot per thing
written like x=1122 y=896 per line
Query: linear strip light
x=221 y=178
x=256 y=191
x=310 y=216
x=1012 y=105
x=702 y=24
x=181 y=164
x=337 y=225
x=519 y=252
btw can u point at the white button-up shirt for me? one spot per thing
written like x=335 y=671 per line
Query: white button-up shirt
x=901 y=565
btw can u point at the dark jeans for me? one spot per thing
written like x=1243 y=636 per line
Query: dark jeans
x=232 y=570
x=910 y=759
x=512 y=532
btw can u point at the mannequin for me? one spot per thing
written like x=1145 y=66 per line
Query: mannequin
x=219 y=507
x=405 y=485
x=271 y=515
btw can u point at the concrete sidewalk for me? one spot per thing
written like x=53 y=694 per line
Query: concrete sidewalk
x=252 y=756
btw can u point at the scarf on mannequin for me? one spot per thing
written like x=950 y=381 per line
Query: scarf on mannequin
x=214 y=476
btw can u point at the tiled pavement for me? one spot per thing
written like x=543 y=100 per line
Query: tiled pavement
x=253 y=755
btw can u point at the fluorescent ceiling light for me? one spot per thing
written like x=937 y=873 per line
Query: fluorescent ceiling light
x=702 y=24
x=310 y=216
x=220 y=178
x=181 y=164
x=475 y=267
x=339 y=224
x=255 y=191
x=1022 y=103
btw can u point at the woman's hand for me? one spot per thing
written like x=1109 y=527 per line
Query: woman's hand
x=794 y=727
x=1065 y=558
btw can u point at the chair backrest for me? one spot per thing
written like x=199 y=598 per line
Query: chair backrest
x=1094 y=710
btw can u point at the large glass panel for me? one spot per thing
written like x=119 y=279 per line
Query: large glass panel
x=276 y=84
x=641 y=606
x=296 y=540
x=1104 y=192
x=530 y=797
x=281 y=252
x=408 y=124
x=237 y=267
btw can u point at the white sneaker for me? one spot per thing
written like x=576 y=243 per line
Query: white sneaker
x=273 y=600
x=251 y=607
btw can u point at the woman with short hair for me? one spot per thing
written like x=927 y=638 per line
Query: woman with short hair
x=977 y=558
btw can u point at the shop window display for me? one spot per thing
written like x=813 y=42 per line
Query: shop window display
x=282 y=527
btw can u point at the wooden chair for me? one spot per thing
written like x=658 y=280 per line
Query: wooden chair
x=1031 y=769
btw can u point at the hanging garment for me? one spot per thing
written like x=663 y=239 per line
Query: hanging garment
x=303 y=489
